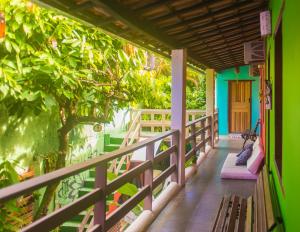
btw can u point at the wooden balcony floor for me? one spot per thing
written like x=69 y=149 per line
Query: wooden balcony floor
x=195 y=207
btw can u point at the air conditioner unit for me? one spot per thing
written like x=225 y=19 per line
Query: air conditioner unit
x=254 y=52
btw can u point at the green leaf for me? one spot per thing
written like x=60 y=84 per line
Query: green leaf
x=8 y=45
x=27 y=28
x=19 y=63
x=19 y=18
x=16 y=47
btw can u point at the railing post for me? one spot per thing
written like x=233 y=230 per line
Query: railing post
x=216 y=129
x=193 y=142
x=148 y=176
x=174 y=157
x=100 y=206
x=202 y=148
x=212 y=134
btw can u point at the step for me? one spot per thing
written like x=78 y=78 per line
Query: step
x=69 y=227
x=111 y=147
x=92 y=173
x=116 y=140
x=89 y=182
x=79 y=217
x=83 y=191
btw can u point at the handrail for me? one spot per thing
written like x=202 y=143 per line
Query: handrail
x=206 y=133
x=165 y=110
x=97 y=197
x=162 y=123
x=30 y=185
x=197 y=120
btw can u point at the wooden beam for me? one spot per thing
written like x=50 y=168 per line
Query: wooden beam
x=129 y=17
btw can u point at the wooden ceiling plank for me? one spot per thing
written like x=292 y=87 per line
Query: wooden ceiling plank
x=216 y=13
x=194 y=7
x=245 y=15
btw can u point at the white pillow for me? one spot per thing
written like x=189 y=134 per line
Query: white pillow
x=254 y=162
x=256 y=143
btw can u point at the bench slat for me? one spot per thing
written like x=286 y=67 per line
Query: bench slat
x=262 y=224
x=218 y=214
x=268 y=203
x=255 y=208
x=233 y=211
x=240 y=226
x=249 y=216
x=222 y=216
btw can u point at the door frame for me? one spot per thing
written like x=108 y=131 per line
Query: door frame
x=229 y=104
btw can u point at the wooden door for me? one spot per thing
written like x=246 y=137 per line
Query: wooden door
x=239 y=106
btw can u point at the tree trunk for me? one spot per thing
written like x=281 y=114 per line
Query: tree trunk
x=60 y=163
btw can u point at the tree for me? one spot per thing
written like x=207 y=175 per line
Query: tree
x=48 y=60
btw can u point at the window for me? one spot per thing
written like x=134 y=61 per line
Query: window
x=278 y=99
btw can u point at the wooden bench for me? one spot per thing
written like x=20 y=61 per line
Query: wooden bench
x=254 y=214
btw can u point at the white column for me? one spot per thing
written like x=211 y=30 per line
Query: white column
x=210 y=99
x=178 y=109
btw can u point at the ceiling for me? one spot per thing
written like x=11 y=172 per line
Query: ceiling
x=213 y=31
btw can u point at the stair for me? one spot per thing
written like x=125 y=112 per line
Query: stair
x=111 y=143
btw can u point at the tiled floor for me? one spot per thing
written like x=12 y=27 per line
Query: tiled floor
x=195 y=207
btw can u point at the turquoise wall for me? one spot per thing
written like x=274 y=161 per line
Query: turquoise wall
x=222 y=95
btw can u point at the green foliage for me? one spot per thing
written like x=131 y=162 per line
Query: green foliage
x=49 y=60
x=8 y=211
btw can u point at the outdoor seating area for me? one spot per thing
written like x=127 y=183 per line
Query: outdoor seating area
x=251 y=167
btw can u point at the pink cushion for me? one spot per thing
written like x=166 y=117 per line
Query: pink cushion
x=231 y=171
x=256 y=159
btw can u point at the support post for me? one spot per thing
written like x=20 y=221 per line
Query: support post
x=210 y=99
x=100 y=206
x=178 y=109
x=148 y=178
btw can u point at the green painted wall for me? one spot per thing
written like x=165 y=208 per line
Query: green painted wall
x=27 y=141
x=288 y=195
x=23 y=138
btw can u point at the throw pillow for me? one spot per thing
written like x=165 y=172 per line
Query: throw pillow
x=244 y=156
x=248 y=146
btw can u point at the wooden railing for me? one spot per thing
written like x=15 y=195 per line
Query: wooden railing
x=97 y=197
x=200 y=133
x=159 y=120
x=216 y=126
x=131 y=135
